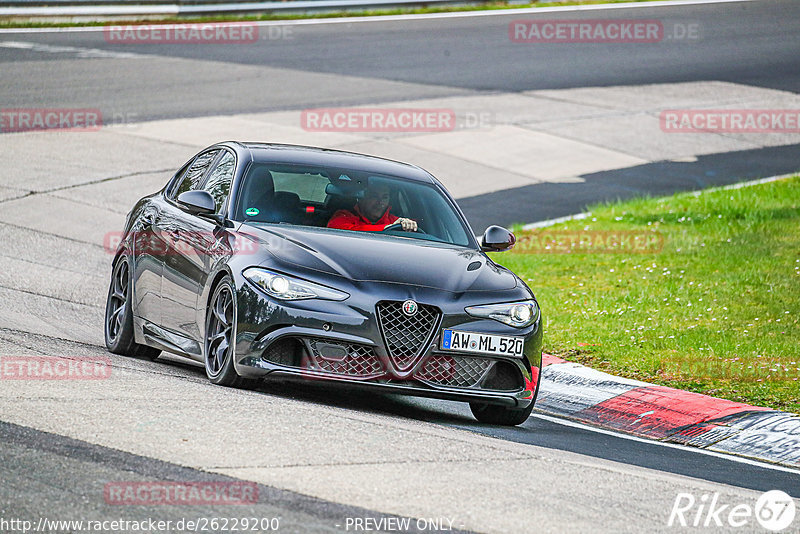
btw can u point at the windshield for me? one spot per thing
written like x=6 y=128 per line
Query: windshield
x=313 y=196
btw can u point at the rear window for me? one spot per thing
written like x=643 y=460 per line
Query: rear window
x=309 y=186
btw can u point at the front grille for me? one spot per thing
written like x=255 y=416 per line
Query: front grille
x=454 y=371
x=348 y=359
x=406 y=337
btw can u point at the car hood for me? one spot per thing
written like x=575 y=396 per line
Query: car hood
x=362 y=256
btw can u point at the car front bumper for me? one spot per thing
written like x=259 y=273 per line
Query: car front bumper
x=343 y=343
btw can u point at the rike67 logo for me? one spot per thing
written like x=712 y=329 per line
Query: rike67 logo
x=774 y=511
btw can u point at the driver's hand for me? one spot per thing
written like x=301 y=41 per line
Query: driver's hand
x=409 y=225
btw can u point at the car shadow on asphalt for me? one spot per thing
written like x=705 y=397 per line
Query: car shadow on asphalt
x=342 y=396
x=428 y=410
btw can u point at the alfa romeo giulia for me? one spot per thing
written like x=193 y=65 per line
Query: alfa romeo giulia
x=247 y=262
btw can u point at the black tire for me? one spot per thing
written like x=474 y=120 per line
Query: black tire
x=491 y=414
x=220 y=331
x=118 y=325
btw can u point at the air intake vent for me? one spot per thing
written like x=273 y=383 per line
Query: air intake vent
x=344 y=359
x=454 y=371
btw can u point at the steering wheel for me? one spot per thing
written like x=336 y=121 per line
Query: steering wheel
x=399 y=226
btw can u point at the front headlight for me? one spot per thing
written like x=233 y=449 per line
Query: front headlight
x=517 y=314
x=285 y=287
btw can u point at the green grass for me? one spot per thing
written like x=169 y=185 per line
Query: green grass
x=715 y=311
x=15 y=23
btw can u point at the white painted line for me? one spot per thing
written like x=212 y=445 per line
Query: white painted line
x=425 y=16
x=579 y=216
x=731 y=457
x=745 y=184
x=558 y=220
x=82 y=53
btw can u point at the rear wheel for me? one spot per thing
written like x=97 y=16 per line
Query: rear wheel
x=219 y=349
x=119 y=315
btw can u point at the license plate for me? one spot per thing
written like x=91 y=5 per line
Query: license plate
x=457 y=340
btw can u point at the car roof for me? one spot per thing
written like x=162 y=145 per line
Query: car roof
x=308 y=155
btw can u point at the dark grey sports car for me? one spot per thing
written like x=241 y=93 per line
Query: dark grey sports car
x=233 y=264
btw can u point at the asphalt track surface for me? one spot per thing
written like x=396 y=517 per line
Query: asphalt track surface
x=73 y=467
x=299 y=66
x=753 y=43
x=749 y=43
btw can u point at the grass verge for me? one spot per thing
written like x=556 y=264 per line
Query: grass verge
x=695 y=291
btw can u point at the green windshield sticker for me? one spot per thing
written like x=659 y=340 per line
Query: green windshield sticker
x=252 y=212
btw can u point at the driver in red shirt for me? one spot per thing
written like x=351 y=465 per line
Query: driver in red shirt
x=371 y=213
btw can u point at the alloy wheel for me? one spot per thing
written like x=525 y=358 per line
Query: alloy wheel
x=220 y=327
x=118 y=301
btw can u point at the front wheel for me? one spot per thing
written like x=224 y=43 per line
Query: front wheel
x=220 y=325
x=119 y=315
x=500 y=415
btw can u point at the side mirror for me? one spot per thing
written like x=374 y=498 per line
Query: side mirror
x=198 y=202
x=497 y=239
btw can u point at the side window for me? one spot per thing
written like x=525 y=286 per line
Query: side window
x=193 y=177
x=219 y=181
